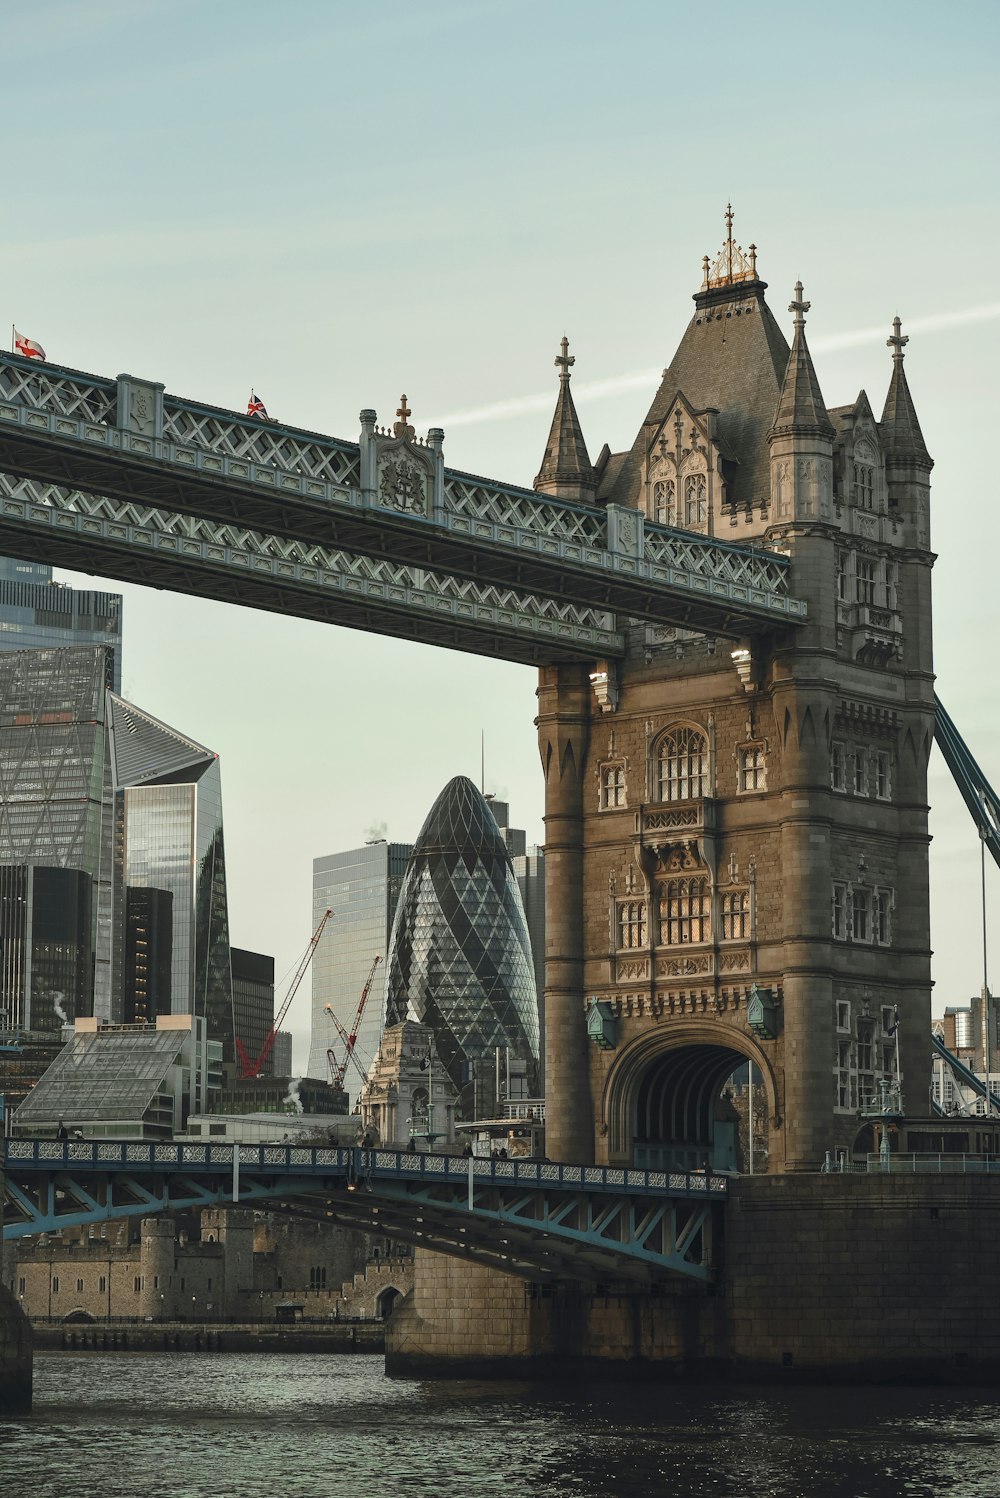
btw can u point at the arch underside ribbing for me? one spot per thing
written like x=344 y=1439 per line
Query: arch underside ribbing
x=664 y=1103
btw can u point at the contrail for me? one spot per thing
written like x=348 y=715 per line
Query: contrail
x=644 y=379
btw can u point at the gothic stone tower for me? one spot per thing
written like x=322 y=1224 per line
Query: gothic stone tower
x=731 y=819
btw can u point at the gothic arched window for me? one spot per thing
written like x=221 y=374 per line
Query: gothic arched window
x=665 y=502
x=864 y=486
x=685 y=911
x=682 y=765
x=735 y=915
x=632 y=924
x=695 y=499
x=612 y=786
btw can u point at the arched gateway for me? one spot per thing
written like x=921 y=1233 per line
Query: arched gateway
x=666 y=1103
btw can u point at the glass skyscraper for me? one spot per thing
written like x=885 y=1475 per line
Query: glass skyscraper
x=361 y=887
x=460 y=959
x=169 y=830
x=37 y=612
x=55 y=815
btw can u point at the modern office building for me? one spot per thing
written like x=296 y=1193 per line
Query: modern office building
x=149 y=947
x=36 y=612
x=168 y=815
x=529 y=871
x=253 y=1007
x=56 y=821
x=460 y=959
x=281 y=1054
x=361 y=887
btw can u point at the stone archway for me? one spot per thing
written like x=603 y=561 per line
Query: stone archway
x=386 y=1301
x=663 y=1105
x=79 y=1317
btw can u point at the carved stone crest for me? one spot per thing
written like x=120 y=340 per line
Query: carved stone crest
x=402 y=484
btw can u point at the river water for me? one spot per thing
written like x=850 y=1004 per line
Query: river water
x=203 y=1425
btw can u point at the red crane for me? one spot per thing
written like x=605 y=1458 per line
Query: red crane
x=250 y=1068
x=349 y=1037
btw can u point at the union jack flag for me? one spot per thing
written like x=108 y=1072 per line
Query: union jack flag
x=27 y=346
x=256 y=407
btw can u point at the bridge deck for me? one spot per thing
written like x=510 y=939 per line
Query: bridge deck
x=78 y=431
x=537 y=1218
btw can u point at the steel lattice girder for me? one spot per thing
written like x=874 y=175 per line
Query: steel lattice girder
x=62 y=427
x=586 y=1223
x=427 y=607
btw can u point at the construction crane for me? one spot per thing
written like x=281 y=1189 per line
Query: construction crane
x=349 y=1037
x=248 y=1068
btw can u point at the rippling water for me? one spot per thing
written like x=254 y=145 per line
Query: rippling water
x=300 y=1426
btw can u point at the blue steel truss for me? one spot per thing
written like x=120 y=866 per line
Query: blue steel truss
x=129 y=445
x=533 y=1218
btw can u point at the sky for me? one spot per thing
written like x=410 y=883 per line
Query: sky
x=334 y=203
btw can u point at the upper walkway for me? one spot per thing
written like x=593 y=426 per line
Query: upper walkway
x=142 y=455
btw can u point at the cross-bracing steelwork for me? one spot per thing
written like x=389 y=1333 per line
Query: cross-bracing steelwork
x=532 y=1218
x=116 y=477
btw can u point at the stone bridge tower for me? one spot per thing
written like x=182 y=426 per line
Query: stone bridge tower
x=736 y=829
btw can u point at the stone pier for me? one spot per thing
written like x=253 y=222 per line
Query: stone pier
x=15 y=1356
x=830 y=1278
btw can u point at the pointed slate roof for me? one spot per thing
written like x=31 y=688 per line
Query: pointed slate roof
x=566 y=462
x=801 y=409
x=732 y=360
x=144 y=750
x=899 y=427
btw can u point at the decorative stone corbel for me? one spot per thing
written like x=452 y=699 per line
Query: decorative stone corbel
x=745 y=664
x=604 y=680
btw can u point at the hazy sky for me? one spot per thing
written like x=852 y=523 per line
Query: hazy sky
x=335 y=203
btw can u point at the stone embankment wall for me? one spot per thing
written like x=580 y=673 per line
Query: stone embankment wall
x=15 y=1355
x=822 y=1277
x=184 y=1336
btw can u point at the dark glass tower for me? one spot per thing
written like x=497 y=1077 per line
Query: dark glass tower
x=37 y=612
x=460 y=958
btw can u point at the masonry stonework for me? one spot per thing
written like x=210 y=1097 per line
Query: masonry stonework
x=731 y=816
x=836 y=1278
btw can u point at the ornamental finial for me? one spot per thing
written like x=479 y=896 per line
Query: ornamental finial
x=401 y=428
x=731 y=264
x=798 y=306
x=565 y=359
x=898 y=341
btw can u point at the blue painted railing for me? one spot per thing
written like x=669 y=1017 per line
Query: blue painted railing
x=91 y=1156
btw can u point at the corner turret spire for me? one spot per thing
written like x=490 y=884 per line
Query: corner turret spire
x=899 y=428
x=566 y=470
x=801 y=409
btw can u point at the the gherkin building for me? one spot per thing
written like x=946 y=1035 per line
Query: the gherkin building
x=459 y=954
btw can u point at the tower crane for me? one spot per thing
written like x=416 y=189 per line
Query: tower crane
x=349 y=1037
x=250 y=1068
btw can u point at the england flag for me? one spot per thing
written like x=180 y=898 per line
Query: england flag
x=27 y=346
x=256 y=407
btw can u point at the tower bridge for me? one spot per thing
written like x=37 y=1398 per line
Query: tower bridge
x=736 y=834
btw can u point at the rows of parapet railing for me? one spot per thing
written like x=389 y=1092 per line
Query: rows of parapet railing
x=327 y=461
x=290 y=1159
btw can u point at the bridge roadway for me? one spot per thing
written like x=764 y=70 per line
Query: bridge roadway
x=143 y=455
x=538 y=1219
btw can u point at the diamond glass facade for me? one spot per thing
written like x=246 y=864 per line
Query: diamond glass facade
x=460 y=959
x=55 y=794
